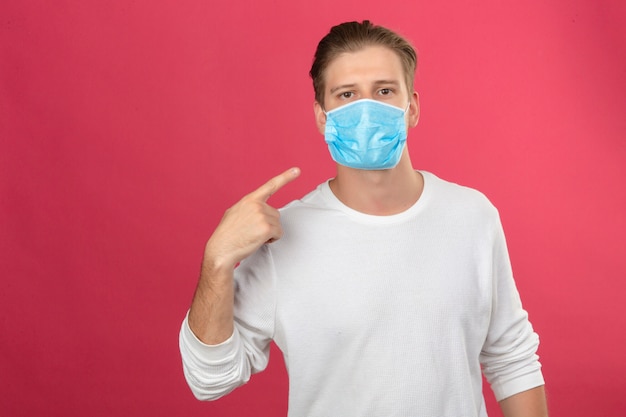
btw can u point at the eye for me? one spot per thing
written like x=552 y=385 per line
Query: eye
x=385 y=91
x=346 y=95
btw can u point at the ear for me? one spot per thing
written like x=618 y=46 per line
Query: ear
x=320 y=117
x=414 y=109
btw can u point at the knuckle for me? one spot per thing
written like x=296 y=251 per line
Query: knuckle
x=251 y=204
x=258 y=207
x=265 y=229
x=271 y=186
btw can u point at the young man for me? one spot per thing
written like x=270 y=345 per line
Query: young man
x=386 y=288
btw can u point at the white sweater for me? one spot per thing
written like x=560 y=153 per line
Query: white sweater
x=378 y=315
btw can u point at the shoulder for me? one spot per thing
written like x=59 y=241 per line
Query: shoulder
x=451 y=196
x=315 y=202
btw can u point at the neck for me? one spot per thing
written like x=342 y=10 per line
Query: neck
x=380 y=193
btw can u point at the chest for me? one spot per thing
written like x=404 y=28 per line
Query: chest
x=361 y=284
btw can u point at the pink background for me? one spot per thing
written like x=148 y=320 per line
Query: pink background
x=128 y=127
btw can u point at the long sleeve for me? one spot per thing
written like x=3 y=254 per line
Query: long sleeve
x=509 y=359
x=213 y=371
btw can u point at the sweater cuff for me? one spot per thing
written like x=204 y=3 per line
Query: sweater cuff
x=213 y=354
x=520 y=384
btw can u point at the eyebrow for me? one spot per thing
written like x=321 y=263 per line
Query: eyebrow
x=340 y=87
x=377 y=83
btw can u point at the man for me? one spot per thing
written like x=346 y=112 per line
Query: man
x=386 y=288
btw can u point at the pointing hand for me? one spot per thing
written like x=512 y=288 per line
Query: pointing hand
x=248 y=224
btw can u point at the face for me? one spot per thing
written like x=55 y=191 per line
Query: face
x=374 y=72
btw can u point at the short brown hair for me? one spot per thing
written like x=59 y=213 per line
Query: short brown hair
x=353 y=37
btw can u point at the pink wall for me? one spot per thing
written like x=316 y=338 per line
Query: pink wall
x=126 y=128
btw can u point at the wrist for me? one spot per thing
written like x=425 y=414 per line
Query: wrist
x=216 y=261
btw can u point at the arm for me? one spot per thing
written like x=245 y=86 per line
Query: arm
x=219 y=355
x=244 y=228
x=531 y=403
x=509 y=355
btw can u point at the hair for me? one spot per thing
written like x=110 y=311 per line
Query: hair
x=353 y=37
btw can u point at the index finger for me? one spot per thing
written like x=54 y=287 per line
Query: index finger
x=266 y=190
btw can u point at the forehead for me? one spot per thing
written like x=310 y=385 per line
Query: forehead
x=370 y=64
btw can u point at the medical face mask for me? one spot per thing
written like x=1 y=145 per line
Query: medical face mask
x=366 y=134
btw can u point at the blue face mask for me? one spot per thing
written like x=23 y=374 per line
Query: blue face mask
x=366 y=134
